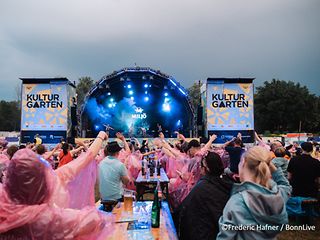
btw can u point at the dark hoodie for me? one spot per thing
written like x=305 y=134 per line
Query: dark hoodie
x=259 y=212
x=198 y=214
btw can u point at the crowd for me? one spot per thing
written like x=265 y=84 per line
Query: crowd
x=213 y=189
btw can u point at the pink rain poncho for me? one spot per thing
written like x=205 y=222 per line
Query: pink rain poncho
x=190 y=174
x=133 y=165
x=30 y=205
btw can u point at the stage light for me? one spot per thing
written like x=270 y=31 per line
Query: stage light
x=132 y=98
x=166 y=100
x=96 y=127
x=166 y=107
x=130 y=92
x=173 y=82
x=145 y=92
x=178 y=122
x=109 y=93
x=182 y=91
x=145 y=85
x=114 y=104
x=111 y=99
x=166 y=94
x=109 y=105
x=146 y=99
x=129 y=86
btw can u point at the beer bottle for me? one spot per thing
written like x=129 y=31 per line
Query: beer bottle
x=155 y=213
x=159 y=190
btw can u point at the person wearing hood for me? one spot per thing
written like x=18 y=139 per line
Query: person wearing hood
x=199 y=213
x=29 y=208
x=257 y=207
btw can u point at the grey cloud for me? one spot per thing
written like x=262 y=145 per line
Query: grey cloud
x=189 y=40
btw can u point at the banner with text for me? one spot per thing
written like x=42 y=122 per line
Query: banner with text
x=44 y=107
x=230 y=106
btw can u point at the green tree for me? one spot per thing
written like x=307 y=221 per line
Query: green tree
x=194 y=95
x=83 y=87
x=281 y=105
x=9 y=116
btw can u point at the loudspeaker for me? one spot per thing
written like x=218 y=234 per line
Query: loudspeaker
x=74 y=119
x=199 y=115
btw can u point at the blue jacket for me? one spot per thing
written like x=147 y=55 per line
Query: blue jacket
x=256 y=212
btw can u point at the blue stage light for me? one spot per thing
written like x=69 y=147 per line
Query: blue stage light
x=145 y=92
x=129 y=85
x=166 y=107
x=96 y=127
x=111 y=99
x=109 y=105
x=178 y=122
x=109 y=93
x=166 y=94
x=173 y=82
x=166 y=100
x=132 y=98
x=182 y=91
x=146 y=99
x=130 y=92
x=146 y=85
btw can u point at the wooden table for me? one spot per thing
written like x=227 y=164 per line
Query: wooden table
x=142 y=211
x=144 y=185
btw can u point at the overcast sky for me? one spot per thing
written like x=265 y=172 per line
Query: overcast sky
x=187 y=39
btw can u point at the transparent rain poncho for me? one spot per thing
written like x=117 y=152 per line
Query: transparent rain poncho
x=35 y=201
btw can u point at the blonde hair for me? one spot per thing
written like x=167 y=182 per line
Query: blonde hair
x=257 y=161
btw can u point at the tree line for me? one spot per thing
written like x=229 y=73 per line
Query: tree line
x=279 y=106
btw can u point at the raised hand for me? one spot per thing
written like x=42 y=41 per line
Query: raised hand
x=120 y=136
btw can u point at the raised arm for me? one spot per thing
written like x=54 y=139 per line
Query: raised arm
x=228 y=142
x=125 y=144
x=180 y=136
x=209 y=143
x=137 y=142
x=283 y=183
x=75 y=151
x=68 y=171
x=81 y=143
x=51 y=153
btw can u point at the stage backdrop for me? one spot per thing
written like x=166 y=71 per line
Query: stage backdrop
x=45 y=109
x=228 y=108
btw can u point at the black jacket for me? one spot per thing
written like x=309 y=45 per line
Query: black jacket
x=198 y=215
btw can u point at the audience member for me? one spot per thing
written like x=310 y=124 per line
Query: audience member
x=304 y=173
x=235 y=151
x=200 y=211
x=29 y=209
x=258 y=200
x=112 y=173
x=279 y=161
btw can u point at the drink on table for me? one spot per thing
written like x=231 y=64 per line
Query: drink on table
x=159 y=190
x=148 y=173
x=144 y=165
x=155 y=213
x=158 y=166
x=128 y=200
